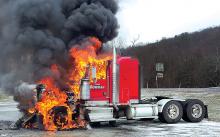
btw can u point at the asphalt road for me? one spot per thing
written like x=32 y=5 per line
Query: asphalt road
x=211 y=127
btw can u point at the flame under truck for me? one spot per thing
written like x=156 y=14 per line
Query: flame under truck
x=119 y=97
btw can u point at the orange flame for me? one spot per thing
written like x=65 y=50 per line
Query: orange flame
x=51 y=98
x=80 y=58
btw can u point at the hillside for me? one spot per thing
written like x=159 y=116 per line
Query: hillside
x=190 y=59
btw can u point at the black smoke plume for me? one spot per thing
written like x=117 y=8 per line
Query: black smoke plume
x=37 y=33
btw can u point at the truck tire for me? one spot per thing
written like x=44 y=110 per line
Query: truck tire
x=60 y=116
x=194 y=110
x=172 y=112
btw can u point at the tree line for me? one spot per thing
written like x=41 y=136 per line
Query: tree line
x=191 y=60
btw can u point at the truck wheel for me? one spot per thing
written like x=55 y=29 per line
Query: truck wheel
x=194 y=111
x=60 y=116
x=172 y=112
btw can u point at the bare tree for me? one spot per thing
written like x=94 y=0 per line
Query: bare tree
x=134 y=41
x=118 y=42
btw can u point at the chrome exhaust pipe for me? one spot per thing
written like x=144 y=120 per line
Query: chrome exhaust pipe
x=85 y=86
x=114 y=79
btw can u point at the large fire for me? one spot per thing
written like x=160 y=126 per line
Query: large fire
x=80 y=58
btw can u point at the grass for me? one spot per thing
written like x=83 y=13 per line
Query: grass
x=2 y=96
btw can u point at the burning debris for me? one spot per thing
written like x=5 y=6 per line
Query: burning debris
x=54 y=44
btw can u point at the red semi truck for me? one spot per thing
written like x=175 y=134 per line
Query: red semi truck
x=118 y=96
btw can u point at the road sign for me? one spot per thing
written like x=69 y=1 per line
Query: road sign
x=159 y=75
x=159 y=67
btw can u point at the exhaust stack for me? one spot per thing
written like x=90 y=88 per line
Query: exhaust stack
x=114 y=79
x=85 y=86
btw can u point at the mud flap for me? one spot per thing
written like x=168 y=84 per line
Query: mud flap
x=206 y=112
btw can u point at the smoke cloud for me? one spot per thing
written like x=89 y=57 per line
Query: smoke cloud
x=34 y=34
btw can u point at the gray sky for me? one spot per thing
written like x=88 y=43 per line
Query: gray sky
x=154 y=19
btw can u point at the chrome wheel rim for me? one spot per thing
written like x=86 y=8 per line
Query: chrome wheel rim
x=173 y=111
x=196 y=111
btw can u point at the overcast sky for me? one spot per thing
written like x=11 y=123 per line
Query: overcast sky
x=154 y=19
